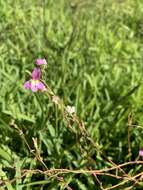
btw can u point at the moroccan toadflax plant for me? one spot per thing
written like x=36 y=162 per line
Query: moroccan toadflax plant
x=36 y=84
x=69 y=114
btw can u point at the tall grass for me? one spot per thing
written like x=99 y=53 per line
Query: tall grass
x=94 y=52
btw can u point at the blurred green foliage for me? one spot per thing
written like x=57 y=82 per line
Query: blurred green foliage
x=94 y=50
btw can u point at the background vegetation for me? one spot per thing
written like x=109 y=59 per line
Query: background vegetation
x=94 y=50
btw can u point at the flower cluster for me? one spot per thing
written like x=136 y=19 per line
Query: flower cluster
x=35 y=83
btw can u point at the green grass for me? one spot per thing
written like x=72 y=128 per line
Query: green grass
x=94 y=50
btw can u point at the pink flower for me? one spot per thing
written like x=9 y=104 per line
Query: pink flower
x=41 y=62
x=35 y=84
x=141 y=152
x=36 y=73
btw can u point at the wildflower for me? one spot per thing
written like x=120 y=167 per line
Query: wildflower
x=70 y=109
x=35 y=84
x=41 y=62
x=141 y=152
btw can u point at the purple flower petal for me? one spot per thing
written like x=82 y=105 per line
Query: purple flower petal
x=34 y=87
x=141 y=152
x=27 y=85
x=41 y=62
x=37 y=85
x=36 y=73
x=41 y=86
